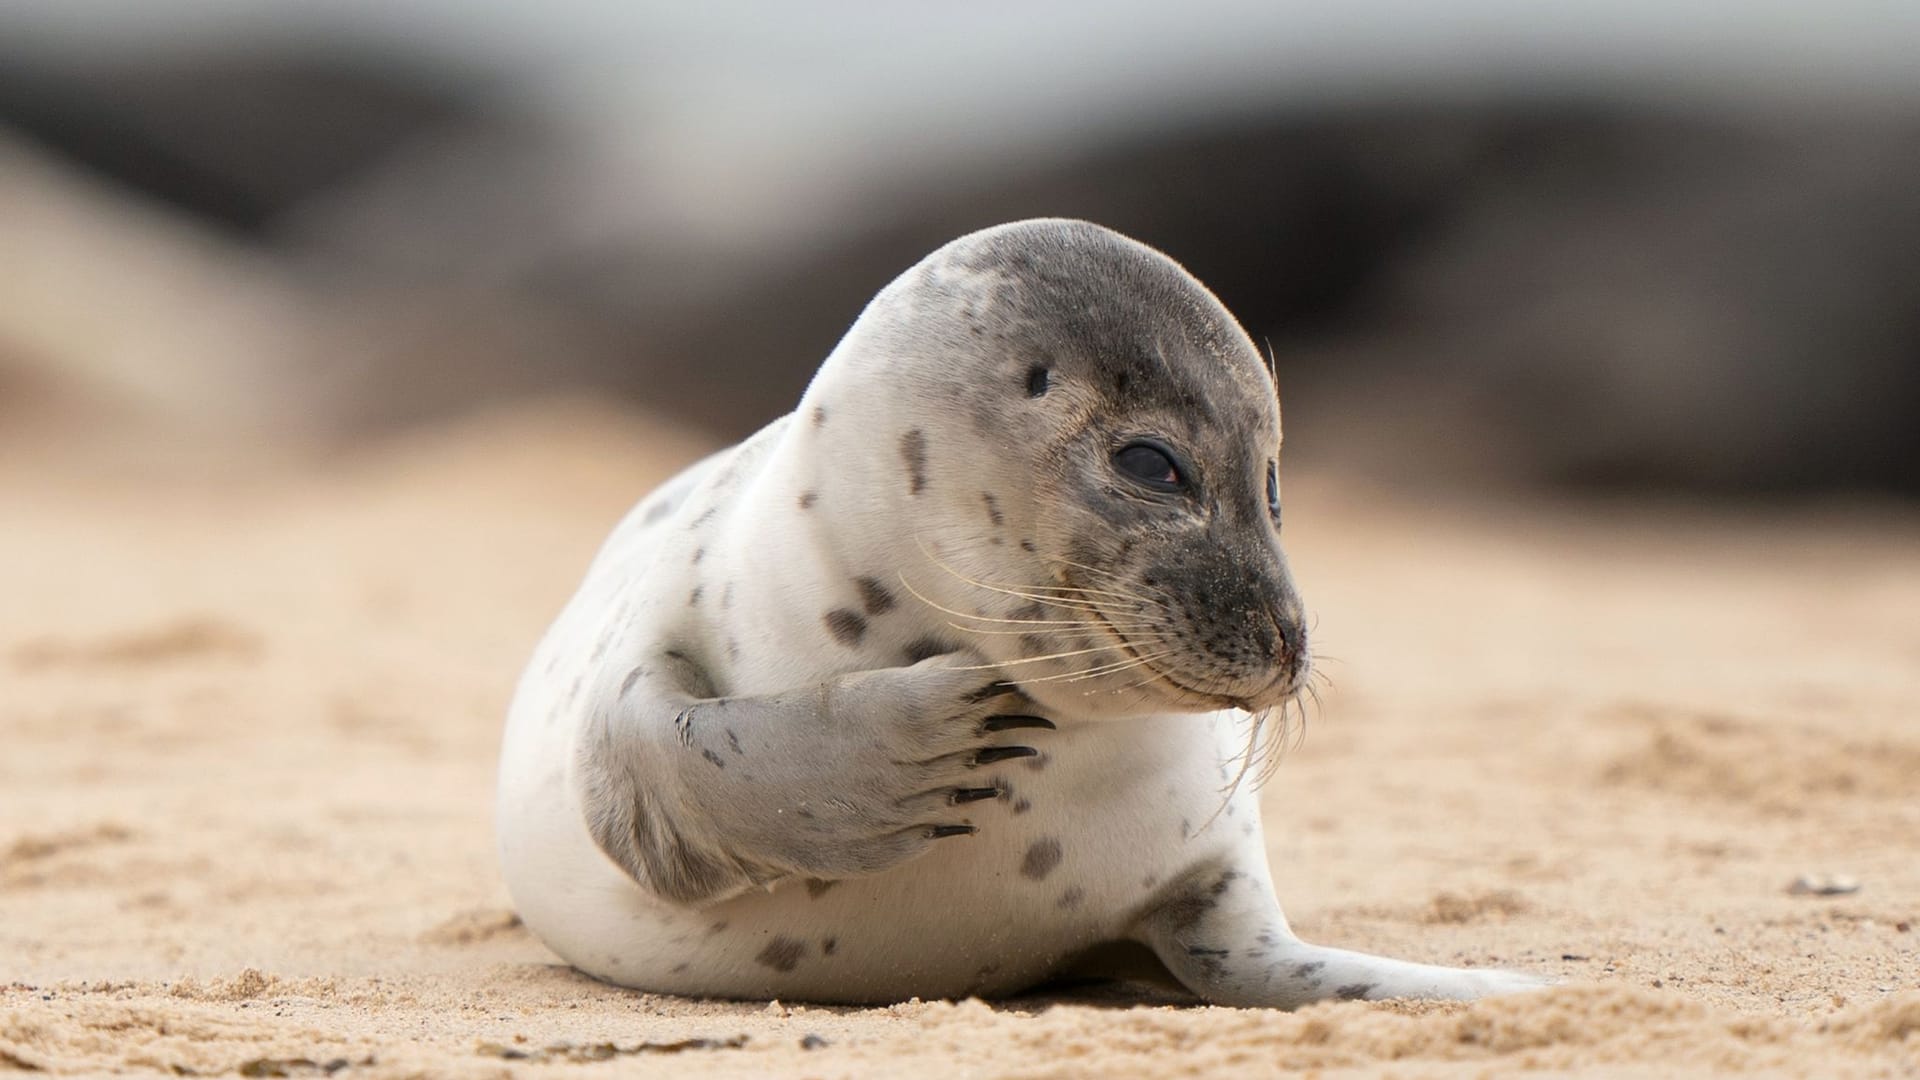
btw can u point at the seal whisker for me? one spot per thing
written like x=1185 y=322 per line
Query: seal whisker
x=1059 y=626
x=1089 y=592
x=1100 y=669
x=1112 y=578
x=1021 y=593
x=937 y=606
x=1155 y=677
x=1039 y=659
x=1025 y=592
x=1115 y=669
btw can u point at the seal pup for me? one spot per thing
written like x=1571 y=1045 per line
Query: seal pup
x=936 y=686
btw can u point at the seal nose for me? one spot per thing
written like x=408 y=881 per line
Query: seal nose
x=1290 y=635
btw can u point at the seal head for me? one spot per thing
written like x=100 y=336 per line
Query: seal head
x=1091 y=476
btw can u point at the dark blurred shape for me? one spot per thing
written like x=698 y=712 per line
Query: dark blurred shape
x=1578 y=292
x=236 y=140
x=1573 y=290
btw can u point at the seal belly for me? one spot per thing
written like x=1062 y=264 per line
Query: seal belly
x=989 y=915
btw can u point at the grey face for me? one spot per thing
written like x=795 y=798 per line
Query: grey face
x=1155 y=430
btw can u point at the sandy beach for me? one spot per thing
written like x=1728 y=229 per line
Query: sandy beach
x=250 y=705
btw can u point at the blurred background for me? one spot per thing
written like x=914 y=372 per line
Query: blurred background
x=1494 y=243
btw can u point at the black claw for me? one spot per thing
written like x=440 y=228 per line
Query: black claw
x=1008 y=723
x=938 y=831
x=972 y=794
x=992 y=690
x=1001 y=753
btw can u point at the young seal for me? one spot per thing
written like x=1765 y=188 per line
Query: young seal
x=936 y=685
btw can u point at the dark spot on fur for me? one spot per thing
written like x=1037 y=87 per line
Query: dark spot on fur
x=705 y=516
x=1071 y=898
x=1032 y=644
x=1039 y=762
x=1149 y=881
x=1211 y=962
x=1021 y=806
x=1186 y=909
x=714 y=928
x=782 y=954
x=657 y=511
x=874 y=596
x=734 y=742
x=633 y=677
x=1186 y=828
x=1306 y=970
x=1354 y=992
x=714 y=758
x=925 y=648
x=1043 y=856
x=846 y=626
x=693 y=598
x=808 y=498
x=828 y=945
x=913 y=448
x=726 y=597
x=1027 y=546
x=698 y=554
x=817 y=888
x=993 y=509
x=1227 y=877
x=680 y=967
x=819 y=416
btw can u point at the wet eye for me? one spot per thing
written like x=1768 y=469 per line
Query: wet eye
x=1273 y=490
x=1151 y=465
x=1039 y=380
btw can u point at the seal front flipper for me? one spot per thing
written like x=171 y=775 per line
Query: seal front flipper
x=697 y=797
x=1221 y=933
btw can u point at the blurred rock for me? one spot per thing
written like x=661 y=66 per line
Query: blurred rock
x=1578 y=291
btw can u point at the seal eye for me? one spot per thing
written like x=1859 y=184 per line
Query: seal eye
x=1150 y=465
x=1037 y=381
x=1273 y=490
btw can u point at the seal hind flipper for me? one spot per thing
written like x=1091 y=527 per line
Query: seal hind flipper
x=1220 y=932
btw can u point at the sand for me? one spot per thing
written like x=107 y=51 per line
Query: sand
x=249 y=706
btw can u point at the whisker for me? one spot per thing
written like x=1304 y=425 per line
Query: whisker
x=1059 y=627
x=1115 y=669
x=1137 y=685
x=1111 y=577
x=937 y=606
x=1039 y=659
x=1057 y=596
x=1100 y=669
x=1087 y=590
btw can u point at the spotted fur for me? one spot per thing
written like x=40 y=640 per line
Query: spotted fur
x=913 y=693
